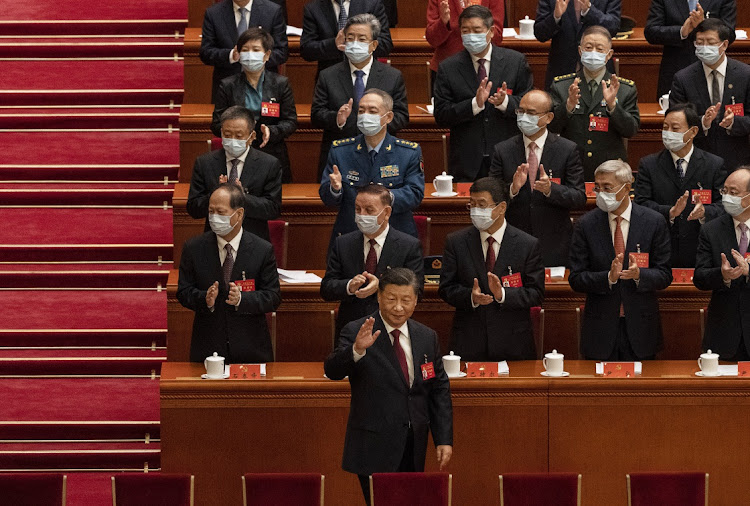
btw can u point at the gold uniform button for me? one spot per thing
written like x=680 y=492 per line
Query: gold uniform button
x=390 y=184
x=591 y=115
x=588 y=141
x=351 y=184
x=589 y=154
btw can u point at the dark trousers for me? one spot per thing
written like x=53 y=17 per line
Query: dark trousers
x=406 y=466
x=623 y=351
x=741 y=354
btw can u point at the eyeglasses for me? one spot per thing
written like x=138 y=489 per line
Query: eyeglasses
x=732 y=193
x=524 y=111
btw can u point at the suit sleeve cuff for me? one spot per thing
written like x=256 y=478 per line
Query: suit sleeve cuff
x=357 y=356
x=475 y=109
x=504 y=106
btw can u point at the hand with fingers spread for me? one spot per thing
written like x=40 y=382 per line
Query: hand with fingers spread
x=477 y=297
x=498 y=97
x=560 y=7
x=730 y=273
x=483 y=92
x=365 y=337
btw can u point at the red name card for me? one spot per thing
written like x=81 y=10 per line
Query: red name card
x=619 y=369
x=590 y=189
x=641 y=259
x=704 y=195
x=512 y=280
x=743 y=369
x=598 y=124
x=246 y=285
x=747 y=256
x=482 y=369
x=683 y=275
x=556 y=180
x=463 y=189
x=737 y=109
x=271 y=109
x=244 y=371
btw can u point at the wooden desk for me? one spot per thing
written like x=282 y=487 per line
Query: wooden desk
x=304 y=144
x=679 y=304
x=667 y=419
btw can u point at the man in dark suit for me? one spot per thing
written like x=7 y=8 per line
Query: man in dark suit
x=257 y=174
x=493 y=275
x=323 y=23
x=593 y=108
x=712 y=85
x=621 y=319
x=722 y=266
x=670 y=24
x=476 y=95
x=399 y=389
x=224 y=22
x=546 y=178
x=339 y=88
x=217 y=270
x=359 y=258
x=564 y=21
x=373 y=157
x=667 y=179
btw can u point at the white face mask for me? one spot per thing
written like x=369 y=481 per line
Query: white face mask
x=474 y=43
x=608 y=202
x=252 y=61
x=708 y=54
x=220 y=224
x=367 y=224
x=593 y=60
x=733 y=205
x=369 y=124
x=356 y=51
x=673 y=140
x=528 y=124
x=482 y=218
x=234 y=147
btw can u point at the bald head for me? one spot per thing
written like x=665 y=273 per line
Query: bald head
x=738 y=181
x=536 y=102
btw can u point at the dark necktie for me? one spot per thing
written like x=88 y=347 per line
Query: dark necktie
x=481 y=70
x=372 y=258
x=715 y=90
x=342 y=14
x=680 y=171
x=359 y=86
x=242 y=25
x=619 y=248
x=489 y=261
x=373 y=154
x=743 y=238
x=400 y=355
x=226 y=269
x=593 y=86
x=233 y=171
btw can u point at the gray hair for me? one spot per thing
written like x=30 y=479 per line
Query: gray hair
x=365 y=19
x=387 y=99
x=622 y=171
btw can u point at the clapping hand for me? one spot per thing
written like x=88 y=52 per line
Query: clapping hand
x=699 y=211
x=370 y=288
x=211 y=294
x=477 y=297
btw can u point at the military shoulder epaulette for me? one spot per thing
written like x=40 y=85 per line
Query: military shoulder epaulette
x=408 y=144
x=566 y=76
x=626 y=81
x=343 y=142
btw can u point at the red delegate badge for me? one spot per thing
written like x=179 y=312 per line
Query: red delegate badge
x=428 y=371
x=737 y=109
x=743 y=369
x=244 y=371
x=463 y=189
x=271 y=109
x=598 y=124
x=704 y=195
x=747 y=256
x=512 y=280
x=246 y=285
x=619 y=369
x=641 y=259
x=590 y=189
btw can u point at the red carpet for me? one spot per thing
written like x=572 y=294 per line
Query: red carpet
x=128 y=116
x=82 y=276
x=84 y=337
x=45 y=456
x=48 y=17
x=90 y=193
x=103 y=362
x=79 y=430
x=75 y=82
x=42 y=46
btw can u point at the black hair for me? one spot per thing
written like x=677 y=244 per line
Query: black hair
x=400 y=276
x=496 y=187
x=690 y=112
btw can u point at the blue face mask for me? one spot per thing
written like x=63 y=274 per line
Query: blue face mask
x=474 y=43
x=527 y=123
x=369 y=124
x=708 y=54
x=234 y=147
x=356 y=51
x=593 y=60
x=482 y=218
x=252 y=61
x=221 y=225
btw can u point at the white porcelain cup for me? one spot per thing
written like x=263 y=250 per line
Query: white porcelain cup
x=452 y=364
x=443 y=184
x=709 y=363
x=214 y=366
x=553 y=363
x=664 y=102
x=526 y=26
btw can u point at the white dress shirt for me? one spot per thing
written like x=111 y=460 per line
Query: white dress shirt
x=737 y=230
x=240 y=165
x=405 y=342
x=539 y=150
x=379 y=242
x=365 y=69
x=498 y=236
x=221 y=243
x=625 y=227
x=337 y=9
x=237 y=9
x=475 y=109
x=722 y=70
x=687 y=157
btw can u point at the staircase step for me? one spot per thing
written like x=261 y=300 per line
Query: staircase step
x=19 y=194
x=95 y=116
x=26 y=456
x=80 y=430
x=82 y=46
x=37 y=362
x=83 y=275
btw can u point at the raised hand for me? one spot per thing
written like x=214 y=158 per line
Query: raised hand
x=445 y=12
x=710 y=114
x=211 y=294
x=560 y=7
x=616 y=268
x=344 y=112
x=335 y=178
x=679 y=206
x=234 y=296
x=574 y=94
x=543 y=184
x=498 y=97
x=633 y=271
x=741 y=262
x=483 y=92
x=699 y=211
x=692 y=21
x=728 y=119
x=728 y=272
x=496 y=286
x=519 y=178
x=479 y=298
x=365 y=337
x=609 y=91
x=340 y=40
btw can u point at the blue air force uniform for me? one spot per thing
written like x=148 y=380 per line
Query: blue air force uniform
x=397 y=165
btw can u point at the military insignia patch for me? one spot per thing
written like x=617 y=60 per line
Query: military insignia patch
x=389 y=171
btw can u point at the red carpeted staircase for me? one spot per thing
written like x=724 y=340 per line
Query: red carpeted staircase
x=89 y=120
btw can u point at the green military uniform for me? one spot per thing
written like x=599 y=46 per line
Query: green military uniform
x=597 y=146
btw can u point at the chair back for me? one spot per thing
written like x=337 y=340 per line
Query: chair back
x=423 y=232
x=531 y=489
x=214 y=143
x=667 y=489
x=537 y=327
x=278 y=232
x=271 y=322
x=408 y=489
x=33 y=489
x=152 y=489
x=283 y=489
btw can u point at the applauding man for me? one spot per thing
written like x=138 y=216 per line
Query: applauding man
x=493 y=275
x=359 y=258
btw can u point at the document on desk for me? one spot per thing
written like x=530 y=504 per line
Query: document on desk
x=600 y=367
x=298 y=276
x=509 y=32
x=293 y=30
x=729 y=370
x=740 y=34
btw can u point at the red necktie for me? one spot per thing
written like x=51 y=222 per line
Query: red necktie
x=533 y=162
x=481 y=70
x=489 y=260
x=400 y=355
x=372 y=258
x=619 y=248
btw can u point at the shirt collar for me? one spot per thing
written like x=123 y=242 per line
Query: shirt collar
x=737 y=222
x=596 y=77
x=686 y=157
x=403 y=328
x=241 y=158
x=261 y=79
x=498 y=235
x=626 y=214
x=249 y=6
x=235 y=242
x=376 y=148
x=721 y=69
x=487 y=57
x=380 y=239
x=365 y=69
x=539 y=142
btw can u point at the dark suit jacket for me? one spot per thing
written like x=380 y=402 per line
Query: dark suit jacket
x=334 y=89
x=591 y=255
x=658 y=187
x=347 y=259
x=320 y=27
x=728 y=321
x=219 y=36
x=496 y=331
x=474 y=137
x=546 y=218
x=275 y=89
x=665 y=20
x=563 y=56
x=261 y=182
x=238 y=334
x=690 y=85
x=383 y=405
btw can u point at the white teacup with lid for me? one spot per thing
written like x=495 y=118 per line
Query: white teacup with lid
x=443 y=184
x=553 y=363
x=526 y=28
x=214 y=366
x=709 y=363
x=452 y=365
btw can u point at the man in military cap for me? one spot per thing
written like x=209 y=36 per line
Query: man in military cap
x=593 y=108
x=373 y=157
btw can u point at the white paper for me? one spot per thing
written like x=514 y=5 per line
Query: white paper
x=509 y=32
x=728 y=370
x=293 y=30
x=740 y=34
x=502 y=367
x=600 y=367
x=557 y=272
x=298 y=276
